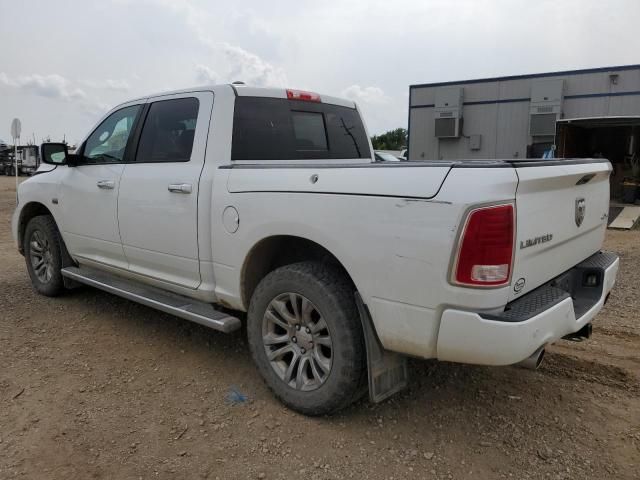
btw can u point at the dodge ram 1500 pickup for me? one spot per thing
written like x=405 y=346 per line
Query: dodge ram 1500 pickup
x=214 y=202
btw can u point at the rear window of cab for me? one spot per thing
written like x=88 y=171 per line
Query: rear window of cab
x=283 y=129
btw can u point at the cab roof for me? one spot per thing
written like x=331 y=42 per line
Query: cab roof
x=247 y=91
x=242 y=90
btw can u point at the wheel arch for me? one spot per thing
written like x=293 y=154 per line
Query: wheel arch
x=279 y=250
x=29 y=211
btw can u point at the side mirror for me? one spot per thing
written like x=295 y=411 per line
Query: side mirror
x=57 y=154
x=54 y=153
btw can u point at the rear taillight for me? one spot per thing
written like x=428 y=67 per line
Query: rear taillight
x=305 y=96
x=485 y=251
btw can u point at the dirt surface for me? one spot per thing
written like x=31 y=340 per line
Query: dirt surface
x=93 y=386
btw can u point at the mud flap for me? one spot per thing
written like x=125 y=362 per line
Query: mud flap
x=387 y=371
x=67 y=261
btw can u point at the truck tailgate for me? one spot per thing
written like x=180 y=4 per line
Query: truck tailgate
x=562 y=210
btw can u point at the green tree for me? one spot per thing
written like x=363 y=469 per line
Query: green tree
x=391 y=140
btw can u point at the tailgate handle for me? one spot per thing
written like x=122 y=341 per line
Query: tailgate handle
x=586 y=179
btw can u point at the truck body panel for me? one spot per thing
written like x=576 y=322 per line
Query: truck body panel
x=561 y=220
x=395 y=229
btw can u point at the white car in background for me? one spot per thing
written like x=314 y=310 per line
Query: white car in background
x=384 y=156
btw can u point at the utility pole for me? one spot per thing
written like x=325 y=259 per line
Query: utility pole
x=16 y=127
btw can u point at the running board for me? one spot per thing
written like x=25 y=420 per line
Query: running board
x=183 y=307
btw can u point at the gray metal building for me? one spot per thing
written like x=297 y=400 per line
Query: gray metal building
x=580 y=113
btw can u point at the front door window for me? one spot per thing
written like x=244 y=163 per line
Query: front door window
x=108 y=142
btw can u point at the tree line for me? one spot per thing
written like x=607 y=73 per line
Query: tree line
x=391 y=140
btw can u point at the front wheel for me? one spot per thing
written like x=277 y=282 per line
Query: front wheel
x=42 y=252
x=306 y=338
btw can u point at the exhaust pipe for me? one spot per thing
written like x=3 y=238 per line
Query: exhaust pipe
x=534 y=361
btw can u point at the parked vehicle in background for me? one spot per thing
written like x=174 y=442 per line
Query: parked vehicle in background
x=403 y=154
x=6 y=159
x=269 y=201
x=28 y=159
x=382 y=156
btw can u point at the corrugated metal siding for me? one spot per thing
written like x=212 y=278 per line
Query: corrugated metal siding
x=513 y=119
x=515 y=89
x=586 y=107
x=504 y=125
x=624 y=106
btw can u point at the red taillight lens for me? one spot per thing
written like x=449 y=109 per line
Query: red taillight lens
x=305 y=96
x=486 y=247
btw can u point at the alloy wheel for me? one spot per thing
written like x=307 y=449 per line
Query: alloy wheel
x=41 y=256
x=297 y=341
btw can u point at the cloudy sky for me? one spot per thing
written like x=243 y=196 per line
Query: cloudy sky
x=63 y=63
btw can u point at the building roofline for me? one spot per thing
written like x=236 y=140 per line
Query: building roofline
x=618 y=68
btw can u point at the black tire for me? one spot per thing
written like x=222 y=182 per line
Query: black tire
x=44 y=228
x=332 y=295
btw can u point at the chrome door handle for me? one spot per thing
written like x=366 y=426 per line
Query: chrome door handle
x=180 y=187
x=106 y=184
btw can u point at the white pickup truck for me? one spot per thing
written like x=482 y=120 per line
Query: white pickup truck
x=210 y=202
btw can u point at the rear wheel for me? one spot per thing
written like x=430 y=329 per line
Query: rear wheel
x=306 y=338
x=42 y=251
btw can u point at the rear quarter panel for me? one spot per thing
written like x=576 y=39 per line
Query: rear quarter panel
x=395 y=242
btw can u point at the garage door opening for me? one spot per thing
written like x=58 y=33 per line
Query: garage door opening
x=614 y=138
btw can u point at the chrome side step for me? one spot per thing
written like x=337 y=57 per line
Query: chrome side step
x=183 y=307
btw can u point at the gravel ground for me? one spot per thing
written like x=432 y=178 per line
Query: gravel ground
x=94 y=386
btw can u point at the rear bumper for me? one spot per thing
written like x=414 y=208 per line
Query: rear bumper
x=561 y=307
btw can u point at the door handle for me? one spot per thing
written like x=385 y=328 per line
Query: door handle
x=106 y=184
x=180 y=187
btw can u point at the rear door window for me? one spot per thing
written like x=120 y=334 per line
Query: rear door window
x=168 y=131
x=282 y=129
